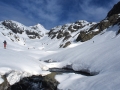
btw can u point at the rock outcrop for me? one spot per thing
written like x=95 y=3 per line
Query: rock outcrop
x=114 y=10
x=32 y=32
x=68 y=32
x=5 y=84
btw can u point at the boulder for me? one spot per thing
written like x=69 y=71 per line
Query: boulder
x=5 y=84
x=67 y=44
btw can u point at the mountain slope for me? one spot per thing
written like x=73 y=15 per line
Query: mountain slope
x=100 y=58
x=68 y=33
x=18 y=32
x=99 y=55
x=29 y=47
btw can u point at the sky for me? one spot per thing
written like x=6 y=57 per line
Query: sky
x=51 y=13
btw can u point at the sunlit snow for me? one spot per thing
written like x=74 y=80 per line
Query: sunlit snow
x=100 y=57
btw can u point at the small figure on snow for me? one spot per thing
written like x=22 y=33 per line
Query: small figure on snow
x=5 y=43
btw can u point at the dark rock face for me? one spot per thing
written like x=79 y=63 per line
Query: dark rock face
x=10 y=25
x=68 y=32
x=67 y=44
x=65 y=30
x=114 y=10
x=32 y=34
x=112 y=19
x=84 y=36
x=36 y=83
x=59 y=33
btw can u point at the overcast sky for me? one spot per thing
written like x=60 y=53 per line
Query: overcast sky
x=51 y=13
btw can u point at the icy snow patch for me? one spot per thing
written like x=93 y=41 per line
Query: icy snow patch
x=15 y=76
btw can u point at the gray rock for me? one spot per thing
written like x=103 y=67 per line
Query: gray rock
x=5 y=84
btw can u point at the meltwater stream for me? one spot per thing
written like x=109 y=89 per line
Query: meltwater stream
x=47 y=82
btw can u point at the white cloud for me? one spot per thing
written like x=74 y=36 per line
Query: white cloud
x=50 y=13
x=48 y=9
x=8 y=12
x=30 y=12
x=92 y=11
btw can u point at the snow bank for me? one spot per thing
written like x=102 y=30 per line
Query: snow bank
x=100 y=57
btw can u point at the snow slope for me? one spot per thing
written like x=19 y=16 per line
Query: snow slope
x=21 y=58
x=100 y=58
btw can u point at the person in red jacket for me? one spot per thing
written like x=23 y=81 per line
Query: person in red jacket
x=5 y=43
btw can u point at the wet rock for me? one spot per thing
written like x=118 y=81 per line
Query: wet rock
x=36 y=83
x=118 y=32
x=5 y=84
x=50 y=81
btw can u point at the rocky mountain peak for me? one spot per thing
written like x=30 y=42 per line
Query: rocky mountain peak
x=114 y=10
x=39 y=28
x=14 y=26
x=19 y=32
x=32 y=32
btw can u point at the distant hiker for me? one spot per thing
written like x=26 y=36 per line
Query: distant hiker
x=5 y=43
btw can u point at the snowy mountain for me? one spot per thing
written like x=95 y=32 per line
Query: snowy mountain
x=68 y=32
x=85 y=46
x=19 y=32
